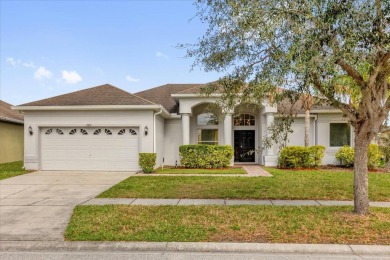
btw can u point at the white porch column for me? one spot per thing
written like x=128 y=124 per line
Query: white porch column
x=269 y=118
x=227 y=129
x=185 y=123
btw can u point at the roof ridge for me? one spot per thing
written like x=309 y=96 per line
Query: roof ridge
x=131 y=94
x=201 y=84
x=170 y=84
x=144 y=99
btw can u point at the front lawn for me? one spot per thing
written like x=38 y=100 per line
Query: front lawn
x=229 y=224
x=285 y=184
x=8 y=170
x=229 y=170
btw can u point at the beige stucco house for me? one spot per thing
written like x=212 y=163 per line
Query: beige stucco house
x=104 y=128
x=11 y=134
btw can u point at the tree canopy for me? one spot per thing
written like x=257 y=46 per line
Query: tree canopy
x=298 y=44
x=340 y=49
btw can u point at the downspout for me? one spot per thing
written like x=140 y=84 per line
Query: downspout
x=154 y=128
x=316 y=130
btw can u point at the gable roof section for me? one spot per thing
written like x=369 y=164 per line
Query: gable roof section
x=7 y=114
x=162 y=94
x=100 y=95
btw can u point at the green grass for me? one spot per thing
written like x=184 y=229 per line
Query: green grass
x=8 y=170
x=285 y=184
x=229 y=224
x=230 y=170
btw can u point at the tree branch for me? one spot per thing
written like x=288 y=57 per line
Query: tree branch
x=379 y=66
x=347 y=109
x=351 y=72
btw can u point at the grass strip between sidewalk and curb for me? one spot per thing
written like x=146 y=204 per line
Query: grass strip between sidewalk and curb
x=170 y=170
x=265 y=224
x=285 y=184
x=12 y=169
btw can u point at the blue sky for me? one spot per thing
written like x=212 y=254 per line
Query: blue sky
x=49 y=48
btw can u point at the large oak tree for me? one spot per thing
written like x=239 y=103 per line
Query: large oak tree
x=300 y=44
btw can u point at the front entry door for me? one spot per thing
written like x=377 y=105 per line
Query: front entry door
x=244 y=146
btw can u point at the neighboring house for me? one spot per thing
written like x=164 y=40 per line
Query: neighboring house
x=104 y=128
x=11 y=134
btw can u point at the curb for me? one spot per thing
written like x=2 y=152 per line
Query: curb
x=195 y=247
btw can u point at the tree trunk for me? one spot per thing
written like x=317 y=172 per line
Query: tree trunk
x=360 y=183
x=387 y=167
x=307 y=127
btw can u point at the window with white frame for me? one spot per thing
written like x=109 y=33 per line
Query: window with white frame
x=207 y=119
x=208 y=136
x=207 y=132
x=244 y=120
x=340 y=134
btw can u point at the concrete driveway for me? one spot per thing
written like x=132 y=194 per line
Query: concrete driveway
x=38 y=205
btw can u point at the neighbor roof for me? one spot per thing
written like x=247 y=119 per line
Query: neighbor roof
x=100 y=95
x=162 y=94
x=7 y=114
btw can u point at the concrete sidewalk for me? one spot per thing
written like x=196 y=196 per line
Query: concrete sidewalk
x=186 y=202
x=347 y=250
x=252 y=170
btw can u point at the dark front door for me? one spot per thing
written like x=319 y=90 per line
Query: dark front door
x=244 y=146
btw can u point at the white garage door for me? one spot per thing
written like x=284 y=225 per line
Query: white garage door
x=105 y=148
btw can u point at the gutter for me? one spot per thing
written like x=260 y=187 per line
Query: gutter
x=165 y=113
x=11 y=120
x=154 y=128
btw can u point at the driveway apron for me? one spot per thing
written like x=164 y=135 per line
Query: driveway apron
x=38 y=205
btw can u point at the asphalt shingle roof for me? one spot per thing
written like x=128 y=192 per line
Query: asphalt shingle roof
x=7 y=114
x=162 y=94
x=100 y=95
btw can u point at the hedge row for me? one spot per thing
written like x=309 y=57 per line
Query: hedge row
x=301 y=156
x=205 y=156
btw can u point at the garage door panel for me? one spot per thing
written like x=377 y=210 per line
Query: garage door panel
x=89 y=149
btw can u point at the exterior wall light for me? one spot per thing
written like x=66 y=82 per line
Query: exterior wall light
x=146 y=130
x=30 y=130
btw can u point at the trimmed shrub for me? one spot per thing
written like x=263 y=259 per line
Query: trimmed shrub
x=147 y=161
x=346 y=156
x=374 y=156
x=386 y=152
x=301 y=156
x=317 y=152
x=205 y=156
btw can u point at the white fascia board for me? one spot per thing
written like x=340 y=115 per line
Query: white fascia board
x=93 y=108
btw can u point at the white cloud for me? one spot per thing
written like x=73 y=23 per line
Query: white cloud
x=42 y=73
x=29 y=65
x=71 y=77
x=131 y=79
x=161 y=55
x=17 y=62
x=12 y=61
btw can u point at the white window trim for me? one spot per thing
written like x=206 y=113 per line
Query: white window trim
x=206 y=127
x=245 y=113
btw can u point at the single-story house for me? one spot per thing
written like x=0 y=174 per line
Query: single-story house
x=11 y=134
x=105 y=128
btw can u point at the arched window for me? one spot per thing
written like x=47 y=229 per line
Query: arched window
x=207 y=119
x=244 y=120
